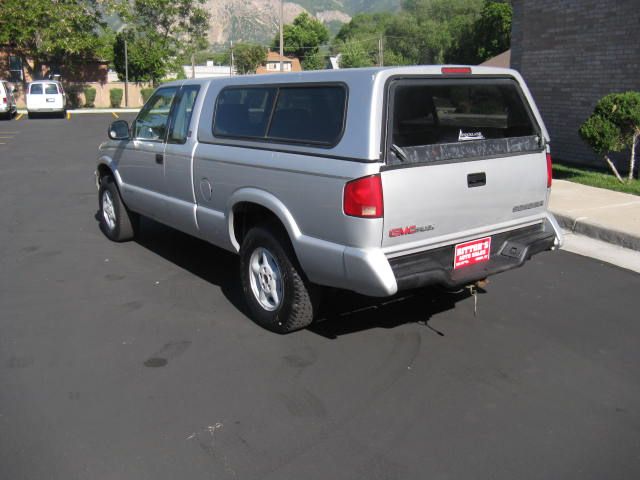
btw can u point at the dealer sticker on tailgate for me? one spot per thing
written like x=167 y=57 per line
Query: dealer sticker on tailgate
x=470 y=253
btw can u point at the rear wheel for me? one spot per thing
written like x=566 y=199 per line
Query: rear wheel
x=116 y=222
x=278 y=296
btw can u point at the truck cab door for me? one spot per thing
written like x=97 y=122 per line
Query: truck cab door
x=178 y=161
x=141 y=164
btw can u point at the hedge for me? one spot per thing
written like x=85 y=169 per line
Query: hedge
x=146 y=94
x=115 y=95
x=89 y=97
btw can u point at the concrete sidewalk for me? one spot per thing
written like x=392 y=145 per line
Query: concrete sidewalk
x=598 y=213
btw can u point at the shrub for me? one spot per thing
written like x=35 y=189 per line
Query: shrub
x=89 y=97
x=73 y=97
x=115 y=95
x=614 y=126
x=146 y=94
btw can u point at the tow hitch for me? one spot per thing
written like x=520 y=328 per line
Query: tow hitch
x=473 y=290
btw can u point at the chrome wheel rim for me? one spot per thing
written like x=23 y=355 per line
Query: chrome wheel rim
x=266 y=279
x=108 y=210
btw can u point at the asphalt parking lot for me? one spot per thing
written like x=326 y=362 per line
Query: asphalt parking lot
x=137 y=361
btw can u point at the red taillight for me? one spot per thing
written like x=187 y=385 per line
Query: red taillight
x=4 y=100
x=549 y=171
x=363 y=197
x=456 y=70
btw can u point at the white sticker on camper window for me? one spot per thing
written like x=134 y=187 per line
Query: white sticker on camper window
x=464 y=136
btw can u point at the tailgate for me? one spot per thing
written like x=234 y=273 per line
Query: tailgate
x=464 y=156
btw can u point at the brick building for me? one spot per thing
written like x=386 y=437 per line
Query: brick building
x=572 y=53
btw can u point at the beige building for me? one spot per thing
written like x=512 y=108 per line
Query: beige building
x=272 y=64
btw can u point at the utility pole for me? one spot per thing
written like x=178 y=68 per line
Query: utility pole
x=281 y=35
x=231 y=68
x=193 y=66
x=380 y=52
x=126 y=73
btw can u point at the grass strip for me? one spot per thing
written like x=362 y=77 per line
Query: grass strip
x=594 y=178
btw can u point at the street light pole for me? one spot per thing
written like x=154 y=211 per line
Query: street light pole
x=126 y=74
x=281 y=34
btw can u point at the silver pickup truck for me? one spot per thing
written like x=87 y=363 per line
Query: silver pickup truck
x=371 y=180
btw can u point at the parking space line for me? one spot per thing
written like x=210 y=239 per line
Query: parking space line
x=20 y=115
x=68 y=115
x=115 y=115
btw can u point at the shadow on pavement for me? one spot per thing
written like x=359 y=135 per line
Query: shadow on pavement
x=212 y=264
x=342 y=312
x=347 y=312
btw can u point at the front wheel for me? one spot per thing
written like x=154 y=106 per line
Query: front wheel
x=116 y=222
x=277 y=294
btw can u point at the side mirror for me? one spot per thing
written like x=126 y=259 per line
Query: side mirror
x=119 y=130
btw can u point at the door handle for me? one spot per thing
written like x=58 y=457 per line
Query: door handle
x=476 y=179
x=159 y=158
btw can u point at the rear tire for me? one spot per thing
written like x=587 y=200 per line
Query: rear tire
x=279 y=297
x=116 y=222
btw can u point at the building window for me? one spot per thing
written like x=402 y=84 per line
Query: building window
x=15 y=68
x=275 y=66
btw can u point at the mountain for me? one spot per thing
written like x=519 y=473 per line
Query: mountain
x=258 y=20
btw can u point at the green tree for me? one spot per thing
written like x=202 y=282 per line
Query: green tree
x=51 y=31
x=314 y=61
x=614 y=126
x=365 y=29
x=146 y=57
x=247 y=57
x=354 y=55
x=493 y=30
x=160 y=34
x=303 y=37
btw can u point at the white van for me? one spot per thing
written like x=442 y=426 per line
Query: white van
x=7 y=101
x=46 y=96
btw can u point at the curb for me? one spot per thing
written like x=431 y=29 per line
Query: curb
x=583 y=226
x=92 y=110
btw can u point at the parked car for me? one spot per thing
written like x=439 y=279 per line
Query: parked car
x=371 y=180
x=46 y=96
x=8 y=106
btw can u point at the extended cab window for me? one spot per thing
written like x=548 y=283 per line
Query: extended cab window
x=309 y=115
x=243 y=112
x=464 y=118
x=305 y=114
x=151 y=123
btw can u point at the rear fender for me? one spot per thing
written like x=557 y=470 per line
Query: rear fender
x=268 y=201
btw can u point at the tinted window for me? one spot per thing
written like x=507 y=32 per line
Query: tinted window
x=36 y=89
x=151 y=123
x=182 y=114
x=51 y=89
x=428 y=113
x=309 y=115
x=243 y=112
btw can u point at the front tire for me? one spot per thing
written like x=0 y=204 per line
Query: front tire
x=116 y=222
x=279 y=298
